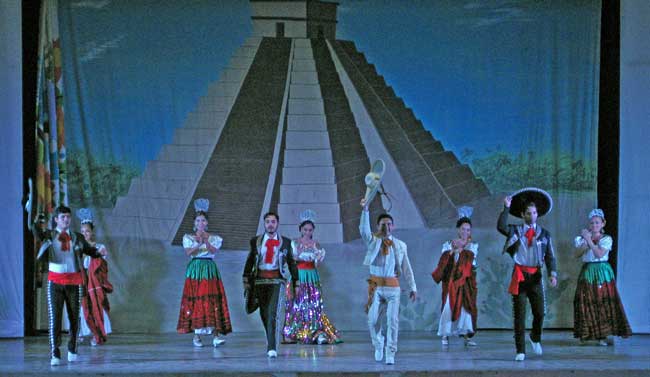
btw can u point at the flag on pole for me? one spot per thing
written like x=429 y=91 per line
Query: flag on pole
x=51 y=173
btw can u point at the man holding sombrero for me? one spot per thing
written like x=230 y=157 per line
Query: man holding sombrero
x=531 y=247
x=387 y=259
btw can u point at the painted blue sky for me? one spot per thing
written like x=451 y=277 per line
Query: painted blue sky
x=521 y=75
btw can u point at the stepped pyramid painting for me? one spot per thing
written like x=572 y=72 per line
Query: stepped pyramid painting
x=293 y=123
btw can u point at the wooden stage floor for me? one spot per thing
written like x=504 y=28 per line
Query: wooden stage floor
x=244 y=354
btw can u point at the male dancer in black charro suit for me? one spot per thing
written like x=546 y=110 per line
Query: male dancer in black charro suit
x=530 y=247
x=63 y=249
x=265 y=279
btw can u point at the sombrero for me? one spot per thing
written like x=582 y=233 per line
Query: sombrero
x=373 y=180
x=520 y=198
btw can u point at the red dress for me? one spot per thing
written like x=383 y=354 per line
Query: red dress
x=204 y=306
x=458 y=284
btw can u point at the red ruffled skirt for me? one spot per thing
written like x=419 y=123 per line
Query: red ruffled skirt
x=597 y=308
x=204 y=303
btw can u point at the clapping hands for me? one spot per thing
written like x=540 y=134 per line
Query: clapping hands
x=202 y=237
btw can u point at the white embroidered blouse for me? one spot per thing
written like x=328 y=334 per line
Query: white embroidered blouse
x=309 y=253
x=214 y=240
x=605 y=242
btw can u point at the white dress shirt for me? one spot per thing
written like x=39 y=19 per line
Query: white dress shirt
x=527 y=256
x=384 y=265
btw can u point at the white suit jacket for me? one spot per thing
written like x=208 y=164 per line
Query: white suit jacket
x=373 y=245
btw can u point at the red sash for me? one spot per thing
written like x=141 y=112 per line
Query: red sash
x=65 y=278
x=518 y=277
x=306 y=265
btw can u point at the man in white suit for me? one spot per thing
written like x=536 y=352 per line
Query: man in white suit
x=387 y=259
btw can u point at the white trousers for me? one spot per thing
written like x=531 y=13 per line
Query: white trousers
x=385 y=303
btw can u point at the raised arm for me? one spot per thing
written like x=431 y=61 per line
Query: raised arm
x=502 y=223
x=40 y=231
x=364 y=226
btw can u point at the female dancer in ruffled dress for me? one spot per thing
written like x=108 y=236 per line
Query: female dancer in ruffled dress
x=95 y=307
x=306 y=321
x=457 y=272
x=204 y=307
x=597 y=308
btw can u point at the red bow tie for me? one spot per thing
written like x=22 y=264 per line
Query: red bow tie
x=64 y=238
x=271 y=244
x=530 y=234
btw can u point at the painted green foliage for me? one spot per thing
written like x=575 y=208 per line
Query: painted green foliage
x=97 y=183
x=502 y=171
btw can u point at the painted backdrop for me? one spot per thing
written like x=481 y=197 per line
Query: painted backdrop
x=510 y=87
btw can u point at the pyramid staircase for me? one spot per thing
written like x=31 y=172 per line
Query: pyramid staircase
x=158 y=198
x=324 y=159
x=351 y=162
x=437 y=181
x=237 y=173
x=308 y=179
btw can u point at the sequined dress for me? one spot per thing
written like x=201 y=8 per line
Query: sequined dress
x=305 y=320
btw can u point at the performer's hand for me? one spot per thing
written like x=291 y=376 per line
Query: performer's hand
x=586 y=234
x=364 y=204
x=507 y=201
x=553 y=281
x=413 y=296
x=103 y=251
x=457 y=246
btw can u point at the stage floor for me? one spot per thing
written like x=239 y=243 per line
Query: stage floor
x=420 y=354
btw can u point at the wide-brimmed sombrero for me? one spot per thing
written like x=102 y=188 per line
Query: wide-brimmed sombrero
x=542 y=199
x=373 y=179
